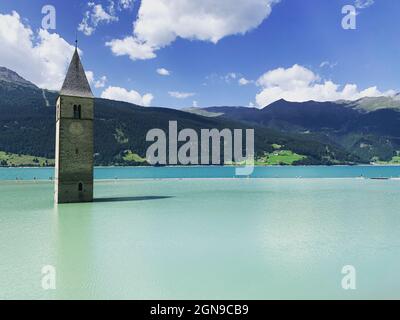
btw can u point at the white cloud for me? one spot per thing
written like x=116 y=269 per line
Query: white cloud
x=324 y=64
x=160 y=22
x=134 y=48
x=96 y=15
x=180 y=95
x=89 y=76
x=126 y=4
x=300 y=84
x=230 y=76
x=100 y=15
x=244 y=81
x=40 y=57
x=132 y=96
x=362 y=4
x=99 y=83
x=163 y=72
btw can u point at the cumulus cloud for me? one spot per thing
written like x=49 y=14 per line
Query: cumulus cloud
x=134 y=48
x=181 y=95
x=40 y=57
x=161 y=22
x=98 y=83
x=362 y=4
x=299 y=84
x=96 y=15
x=132 y=96
x=163 y=72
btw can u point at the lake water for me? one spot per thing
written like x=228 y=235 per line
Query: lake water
x=212 y=172
x=203 y=238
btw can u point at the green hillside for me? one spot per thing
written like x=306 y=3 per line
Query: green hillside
x=18 y=160
x=27 y=124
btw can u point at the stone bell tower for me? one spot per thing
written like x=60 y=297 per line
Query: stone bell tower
x=74 y=137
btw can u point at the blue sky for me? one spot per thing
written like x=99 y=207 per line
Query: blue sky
x=299 y=46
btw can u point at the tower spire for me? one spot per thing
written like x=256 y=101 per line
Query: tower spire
x=76 y=83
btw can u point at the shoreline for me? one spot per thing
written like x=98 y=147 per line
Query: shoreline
x=377 y=172
x=200 y=179
x=226 y=166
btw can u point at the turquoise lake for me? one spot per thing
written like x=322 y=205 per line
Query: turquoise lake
x=152 y=235
x=212 y=172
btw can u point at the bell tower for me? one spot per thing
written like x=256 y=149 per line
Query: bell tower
x=74 y=137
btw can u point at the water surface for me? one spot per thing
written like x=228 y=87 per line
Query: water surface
x=203 y=239
x=212 y=172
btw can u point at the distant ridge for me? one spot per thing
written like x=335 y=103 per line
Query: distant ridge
x=302 y=133
x=368 y=128
x=10 y=76
x=369 y=104
x=27 y=124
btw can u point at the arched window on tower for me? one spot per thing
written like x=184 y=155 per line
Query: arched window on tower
x=77 y=111
x=80 y=187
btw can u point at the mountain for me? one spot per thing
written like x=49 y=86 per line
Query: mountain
x=12 y=78
x=27 y=127
x=369 y=104
x=368 y=128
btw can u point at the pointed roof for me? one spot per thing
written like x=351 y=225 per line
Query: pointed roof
x=76 y=83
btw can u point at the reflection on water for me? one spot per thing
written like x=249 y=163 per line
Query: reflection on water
x=75 y=259
x=198 y=239
x=121 y=199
